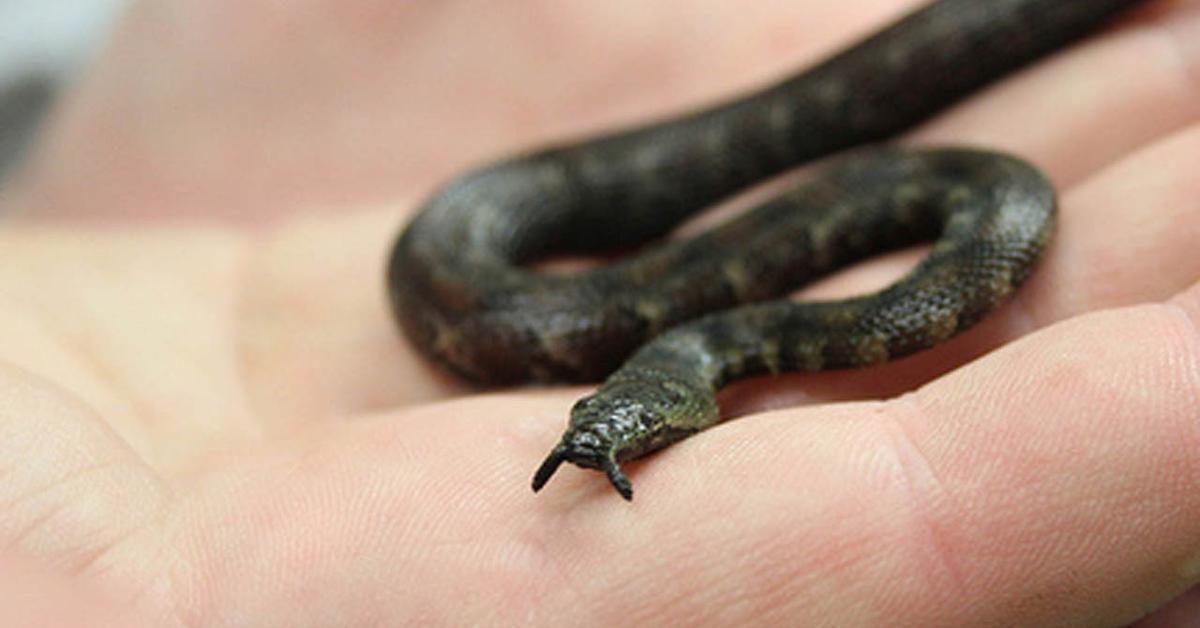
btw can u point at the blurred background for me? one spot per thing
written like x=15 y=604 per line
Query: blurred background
x=43 y=44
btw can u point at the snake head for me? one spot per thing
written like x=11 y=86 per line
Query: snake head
x=598 y=437
x=625 y=419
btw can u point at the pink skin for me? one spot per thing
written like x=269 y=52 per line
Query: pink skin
x=208 y=417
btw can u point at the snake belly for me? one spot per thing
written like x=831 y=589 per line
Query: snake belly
x=711 y=309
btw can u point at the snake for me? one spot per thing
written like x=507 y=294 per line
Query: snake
x=672 y=321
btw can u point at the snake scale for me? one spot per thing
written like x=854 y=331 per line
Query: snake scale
x=669 y=326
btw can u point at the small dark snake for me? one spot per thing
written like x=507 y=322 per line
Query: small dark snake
x=705 y=311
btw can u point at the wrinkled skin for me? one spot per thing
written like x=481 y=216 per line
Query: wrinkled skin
x=214 y=422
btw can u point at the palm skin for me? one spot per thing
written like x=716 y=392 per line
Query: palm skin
x=209 y=417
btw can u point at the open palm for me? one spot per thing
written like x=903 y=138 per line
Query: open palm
x=207 y=416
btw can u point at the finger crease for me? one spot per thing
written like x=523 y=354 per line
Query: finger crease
x=926 y=491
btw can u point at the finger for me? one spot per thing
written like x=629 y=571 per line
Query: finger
x=1029 y=488
x=1092 y=104
x=1128 y=89
x=378 y=99
x=1125 y=236
x=1182 y=611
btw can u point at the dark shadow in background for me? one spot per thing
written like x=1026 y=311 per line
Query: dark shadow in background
x=24 y=104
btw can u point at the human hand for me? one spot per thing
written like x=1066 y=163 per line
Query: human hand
x=219 y=424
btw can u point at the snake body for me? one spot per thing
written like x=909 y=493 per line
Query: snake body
x=698 y=313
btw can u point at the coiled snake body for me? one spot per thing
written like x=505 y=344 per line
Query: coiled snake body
x=708 y=310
